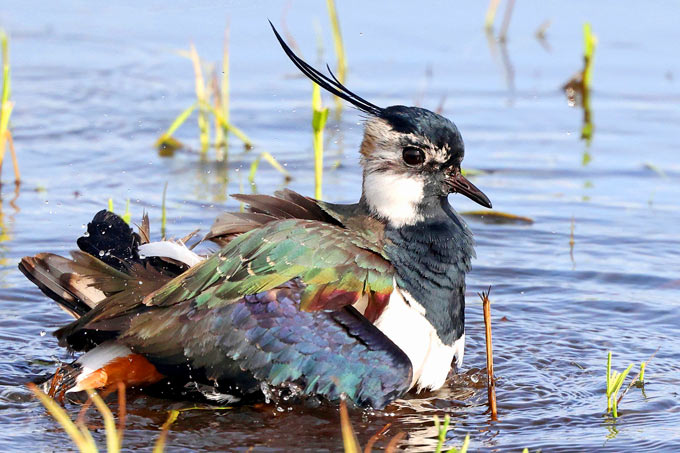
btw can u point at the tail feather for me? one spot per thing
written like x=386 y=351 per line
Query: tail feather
x=57 y=278
x=107 y=265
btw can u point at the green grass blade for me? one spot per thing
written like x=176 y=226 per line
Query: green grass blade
x=224 y=82
x=202 y=97
x=4 y=43
x=219 y=116
x=271 y=161
x=181 y=118
x=84 y=444
x=319 y=118
x=463 y=448
x=160 y=443
x=337 y=41
x=339 y=48
x=253 y=169
x=620 y=378
x=112 y=437
x=490 y=15
x=127 y=216
x=349 y=438
x=5 y=105
x=589 y=43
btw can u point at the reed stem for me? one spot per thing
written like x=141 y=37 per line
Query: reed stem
x=490 y=378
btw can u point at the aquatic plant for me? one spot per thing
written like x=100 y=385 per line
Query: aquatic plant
x=589 y=41
x=221 y=99
x=490 y=18
x=212 y=102
x=442 y=429
x=218 y=109
x=641 y=377
x=6 y=107
x=319 y=117
x=614 y=383
x=78 y=431
x=81 y=435
x=202 y=97
x=165 y=429
x=126 y=215
x=578 y=88
x=341 y=69
x=490 y=377
x=267 y=157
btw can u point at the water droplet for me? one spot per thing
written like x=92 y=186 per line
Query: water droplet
x=86 y=234
x=42 y=333
x=101 y=253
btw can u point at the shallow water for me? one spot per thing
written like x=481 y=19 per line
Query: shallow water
x=94 y=86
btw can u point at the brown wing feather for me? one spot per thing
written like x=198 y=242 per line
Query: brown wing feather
x=263 y=209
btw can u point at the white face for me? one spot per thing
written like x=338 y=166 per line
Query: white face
x=394 y=196
x=393 y=189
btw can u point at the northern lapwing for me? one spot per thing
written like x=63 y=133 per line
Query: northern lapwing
x=314 y=298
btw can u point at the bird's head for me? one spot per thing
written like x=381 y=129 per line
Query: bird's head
x=411 y=156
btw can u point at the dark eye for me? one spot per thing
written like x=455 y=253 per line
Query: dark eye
x=413 y=156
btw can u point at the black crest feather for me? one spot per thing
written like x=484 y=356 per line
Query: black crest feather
x=331 y=85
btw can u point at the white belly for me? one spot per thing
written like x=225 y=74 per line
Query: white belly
x=406 y=325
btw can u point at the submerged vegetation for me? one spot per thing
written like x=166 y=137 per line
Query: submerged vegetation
x=6 y=106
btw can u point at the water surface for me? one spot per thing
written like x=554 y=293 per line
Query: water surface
x=94 y=86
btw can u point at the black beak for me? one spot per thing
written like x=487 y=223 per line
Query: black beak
x=459 y=184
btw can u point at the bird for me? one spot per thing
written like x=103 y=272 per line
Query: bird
x=305 y=298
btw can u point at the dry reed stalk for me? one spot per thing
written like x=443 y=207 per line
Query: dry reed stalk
x=490 y=378
x=374 y=438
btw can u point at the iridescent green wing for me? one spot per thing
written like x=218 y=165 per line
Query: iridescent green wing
x=336 y=265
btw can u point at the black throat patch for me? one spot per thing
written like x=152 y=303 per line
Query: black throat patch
x=431 y=259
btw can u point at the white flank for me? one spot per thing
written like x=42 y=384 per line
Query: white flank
x=394 y=197
x=459 y=350
x=96 y=358
x=170 y=249
x=407 y=327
